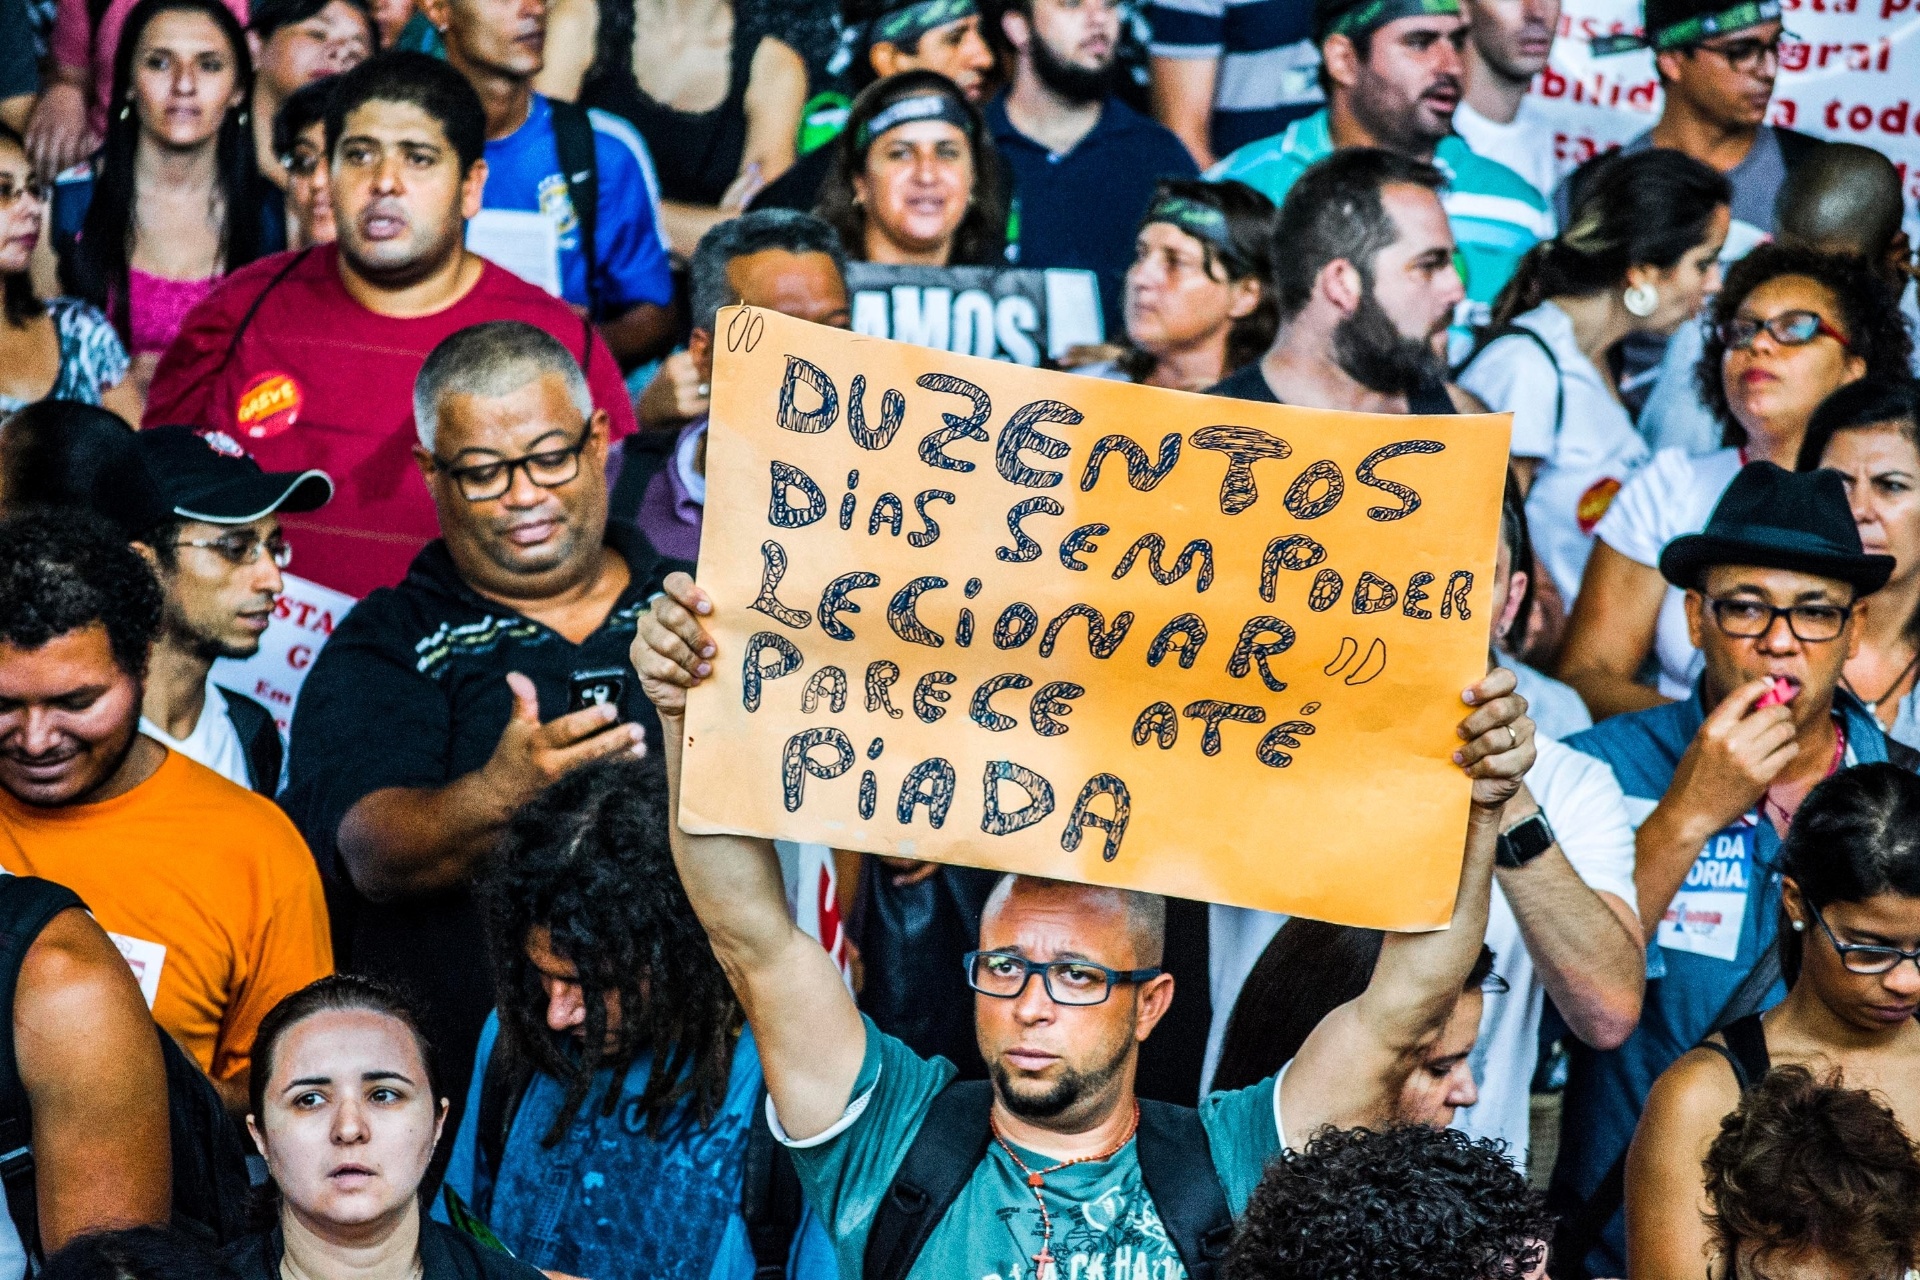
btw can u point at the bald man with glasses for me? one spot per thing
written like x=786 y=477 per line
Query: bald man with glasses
x=499 y=664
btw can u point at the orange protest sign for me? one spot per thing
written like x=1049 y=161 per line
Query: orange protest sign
x=1000 y=616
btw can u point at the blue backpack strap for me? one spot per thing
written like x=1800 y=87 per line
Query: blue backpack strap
x=950 y=1145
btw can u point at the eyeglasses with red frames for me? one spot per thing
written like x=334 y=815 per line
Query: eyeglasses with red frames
x=1788 y=329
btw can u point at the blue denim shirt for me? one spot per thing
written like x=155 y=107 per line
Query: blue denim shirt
x=1686 y=989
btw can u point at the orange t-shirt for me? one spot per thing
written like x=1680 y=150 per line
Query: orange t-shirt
x=207 y=890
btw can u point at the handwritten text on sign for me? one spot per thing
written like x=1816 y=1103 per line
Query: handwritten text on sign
x=985 y=614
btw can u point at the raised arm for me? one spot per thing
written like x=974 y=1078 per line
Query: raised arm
x=809 y=1032
x=1352 y=1067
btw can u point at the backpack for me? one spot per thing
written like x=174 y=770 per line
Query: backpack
x=259 y=741
x=1176 y=1163
x=573 y=140
x=770 y=1199
x=210 y=1185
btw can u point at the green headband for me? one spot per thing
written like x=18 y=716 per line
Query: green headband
x=1692 y=30
x=1375 y=14
x=904 y=26
x=921 y=106
x=1201 y=221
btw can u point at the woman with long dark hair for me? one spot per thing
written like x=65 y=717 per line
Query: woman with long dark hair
x=915 y=179
x=177 y=200
x=1199 y=296
x=1788 y=327
x=1638 y=256
x=344 y=1109
x=1850 y=953
x=60 y=349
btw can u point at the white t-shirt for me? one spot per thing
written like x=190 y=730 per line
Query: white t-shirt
x=1556 y=709
x=213 y=742
x=1524 y=146
x=1592 y=452
x=1672 y=495
x=1588 y=812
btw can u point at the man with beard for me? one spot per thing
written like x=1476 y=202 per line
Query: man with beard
x=1036 y=1172
x=219 y=557
x=1392 y=71
x=1366 y=286
x=307 y=360
x=206 y=889
x=442 y=705
x=1083 y=164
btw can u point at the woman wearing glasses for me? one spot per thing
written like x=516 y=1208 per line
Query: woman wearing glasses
x=1869 y=431
x=1850 y=952
x=1788 y=327
x=61 y=349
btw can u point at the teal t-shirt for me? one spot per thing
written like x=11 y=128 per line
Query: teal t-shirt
x=1104 y=1223
x=1496 y=214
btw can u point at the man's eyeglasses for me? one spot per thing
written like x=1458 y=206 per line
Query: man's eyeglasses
x=1858 y=959
x=11 y=189
x=1788 y=329
x=549 y=469
x=242 y=549
x=1079 y=982
x=1750 y=619
x=1746 y=55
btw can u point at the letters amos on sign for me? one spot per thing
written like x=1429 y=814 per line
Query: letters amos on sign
x=993 y=615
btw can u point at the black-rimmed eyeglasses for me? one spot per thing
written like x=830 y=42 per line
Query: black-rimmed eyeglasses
x=1745 y=619
x=547 y=468
x=1078 y=982
x=1865 y=960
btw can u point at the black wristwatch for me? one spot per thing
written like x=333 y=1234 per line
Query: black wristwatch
x=1528 y=839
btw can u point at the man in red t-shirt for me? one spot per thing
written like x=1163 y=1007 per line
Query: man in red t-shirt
x=307 y=360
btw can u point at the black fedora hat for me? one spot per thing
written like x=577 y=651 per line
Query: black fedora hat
x=1779 y=519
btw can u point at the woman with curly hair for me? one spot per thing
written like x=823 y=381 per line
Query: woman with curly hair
x=1789 y=327
x=618 y=1065
x=1850 y=951
x=1810 y=1179
x=1414 y=1203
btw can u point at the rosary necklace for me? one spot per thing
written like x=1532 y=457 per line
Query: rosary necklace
x=1043 y=1260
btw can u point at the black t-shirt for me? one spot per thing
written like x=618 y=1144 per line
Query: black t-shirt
x=411 y=691
x=445 y=1254
x=1248 y=383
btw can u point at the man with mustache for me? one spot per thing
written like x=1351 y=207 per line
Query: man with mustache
x=443 y=704
x=1082 y=163
x=218 y=557
x=1366 y=287
x=307 y=360
x=1508 y=44
x=205 y=888
x=1392 y=71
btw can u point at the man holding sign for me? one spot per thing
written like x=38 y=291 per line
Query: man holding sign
x=1041 y=1168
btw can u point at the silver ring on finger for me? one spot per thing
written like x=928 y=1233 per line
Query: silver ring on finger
x=1513 y=738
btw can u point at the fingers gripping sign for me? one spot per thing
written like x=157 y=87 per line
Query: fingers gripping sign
x=671 y=649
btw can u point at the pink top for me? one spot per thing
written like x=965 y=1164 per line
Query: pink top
x=75 y=47
x=157 y=307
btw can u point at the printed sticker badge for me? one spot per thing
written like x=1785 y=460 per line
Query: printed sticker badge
x=270 y=405
x=1707 y=913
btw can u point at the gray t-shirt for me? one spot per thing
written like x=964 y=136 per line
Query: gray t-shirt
x=1756 y=180
x=1104 y=1222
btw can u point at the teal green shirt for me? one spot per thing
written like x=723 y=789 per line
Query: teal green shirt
x=1496 y=214
x=1104 y=1223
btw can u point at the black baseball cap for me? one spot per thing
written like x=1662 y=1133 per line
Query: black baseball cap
x=201 y=481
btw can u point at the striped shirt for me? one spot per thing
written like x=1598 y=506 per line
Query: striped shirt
x=1269 y=68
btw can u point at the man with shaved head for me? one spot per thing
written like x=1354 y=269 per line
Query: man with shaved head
x=1846 y=198
x=1052 y=1167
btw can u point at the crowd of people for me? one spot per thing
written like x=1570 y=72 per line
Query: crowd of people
x=410 y=305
